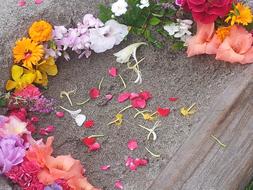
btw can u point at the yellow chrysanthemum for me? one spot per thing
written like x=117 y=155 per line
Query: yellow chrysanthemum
x=27 y=52
x=241 y=14
x=20 y=79
x=41 y=31
x=223 y=32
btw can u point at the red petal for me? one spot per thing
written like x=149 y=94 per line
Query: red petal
x=88 y=124
x=94 y=93
x=173 y=99
x=140 y=162
x=34 y=119
x=50 y=128
x=138 y=103
x=113 y=71
x=105 y=167
x=132 y=144
x=145 y=95
x=163 y=111
x=30 y=127
x=123 y=97
x=118 y=184
x=94 y=147
x=43 y=132
x=59 y=114
x=133 y=95
x=89 y=141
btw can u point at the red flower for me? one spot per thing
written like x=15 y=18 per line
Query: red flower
x=88 y=124
x=94 y=93
x=207 y=11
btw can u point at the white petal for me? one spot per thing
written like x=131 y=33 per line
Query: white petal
x=80 y=119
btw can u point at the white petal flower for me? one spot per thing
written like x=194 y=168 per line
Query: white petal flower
x=79 y=118
x=106 y=37
x=144 y=3
x=171 y=28
x=119 y=7
x=124 y=55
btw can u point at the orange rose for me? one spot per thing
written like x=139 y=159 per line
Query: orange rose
x=237 y=46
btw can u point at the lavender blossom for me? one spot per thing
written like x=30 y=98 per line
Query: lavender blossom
x=42 y=105
x=54 y=186
x=12 y=152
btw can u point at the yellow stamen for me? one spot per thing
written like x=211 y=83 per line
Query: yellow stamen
x=122 y=80
x=82 y=103
x=67 y=94
x=100 y=83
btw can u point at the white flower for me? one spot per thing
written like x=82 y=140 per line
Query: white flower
x=119 y=7
x=171 y=28
x=79 y=118
x=144 y=3
x=106 y=37
x=124 y=55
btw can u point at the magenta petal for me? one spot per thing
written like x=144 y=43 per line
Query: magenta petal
x=118 y=184
x=59 y=114
x=109 y=96
x=38 y=2
x=140 y=162
x=50 y=128
x=21 y=3
x=134 y=95
x=123 y=97
x=94 y=147
x=132 y=144
x=105 y=167
x=139 y=103
x=113 y=72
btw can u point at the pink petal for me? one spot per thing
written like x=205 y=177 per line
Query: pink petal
x=105 y=167
x=38 y=2
x=138 y=103
x=113 y=71
x=118 y=184
x=59 y=114
x=123 y=97
x=145 y=95
x=134 y=95
x=173 y=99
x=43 y=132
x=132 y=144
x=94 y=93
x=21 y=3
x=109 y=96
x=94 y=147
x=140 y=162
x=34 y=119
x=50 y=128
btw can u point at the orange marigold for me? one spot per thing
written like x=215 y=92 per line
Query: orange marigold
x=223 y=32
x=41 y=31
x=27 y=52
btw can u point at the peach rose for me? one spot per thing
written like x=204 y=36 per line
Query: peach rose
x=237 y=47
x=204 y=42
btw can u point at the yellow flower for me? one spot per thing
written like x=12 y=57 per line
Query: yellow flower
x=27 y=52
x=41 y=31
x=223 y=32
x=241 y=14
x=20 y=79
x=148 y=117
x=118 y=121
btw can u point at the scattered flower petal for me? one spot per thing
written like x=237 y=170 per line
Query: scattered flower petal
x=34 y=119
x=138 y=103
x=109 y=96
x=105 y=167
x=47 y=130
x=94 y=93
x=113 y=72
x=21 y=3
x=132 y=144
x=123 y=97
x=89 y=123
x=118 y=185
x=80 y=119
x=94 y=147
x=88 y=141
x=173 y=99
x=145 y=95
x=133 y=164
x=163 y=112
x=59 y=114
x=38 y=2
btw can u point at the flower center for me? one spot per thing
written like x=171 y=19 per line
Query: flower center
x=28 y=54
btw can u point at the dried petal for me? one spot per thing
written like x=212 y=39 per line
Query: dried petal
x=173 y=99
x=118 y=184
x=163 y=112
x=123 y=97
x=94 y=93
x=88 y=124
x=132 y=144
x=113 y=71
x=59 y=114
x=105 y=167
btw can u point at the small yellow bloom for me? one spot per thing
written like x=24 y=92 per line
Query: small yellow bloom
x=241 y=14
x=20 y=79
x=148 y=117
x=223 y=32
x=185 y=111
x=41 y=31
x=118 y=121
x=27 y=52
x=48 y=66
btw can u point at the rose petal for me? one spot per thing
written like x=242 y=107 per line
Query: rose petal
x=80 y=119
x=109 y=96
x=164 y=112
x=38 y=2
x=138 y=103
x=173 y=99
x=140 y=162
x=118 y=184
x=59 y=114
x=132 y=144
x=21 y=3
x=88 y=124
x=50 y=128
x=145 y=95
x=88 y=141
x=113 y=71
x=134 y=95
x=105 y=167
x=94 y=93
x=123 y=97
x=94 y=147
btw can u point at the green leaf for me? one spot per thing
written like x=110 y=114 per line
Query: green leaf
x=177 y=46
x=154 y=21
x=3 y=102
x=105 y=13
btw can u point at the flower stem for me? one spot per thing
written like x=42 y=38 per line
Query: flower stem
x=218 y=141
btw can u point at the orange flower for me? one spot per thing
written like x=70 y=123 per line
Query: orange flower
x=204 y=42
x=40 y=152
x=237 y=47
x=27 y=52
x=67 y=168
x=223 y=32
x=41 y=31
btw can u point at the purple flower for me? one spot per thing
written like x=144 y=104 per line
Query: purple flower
x=12 y=152
x=43 y=105
x=179 y=2
x=3 y=120
x=54 y=186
